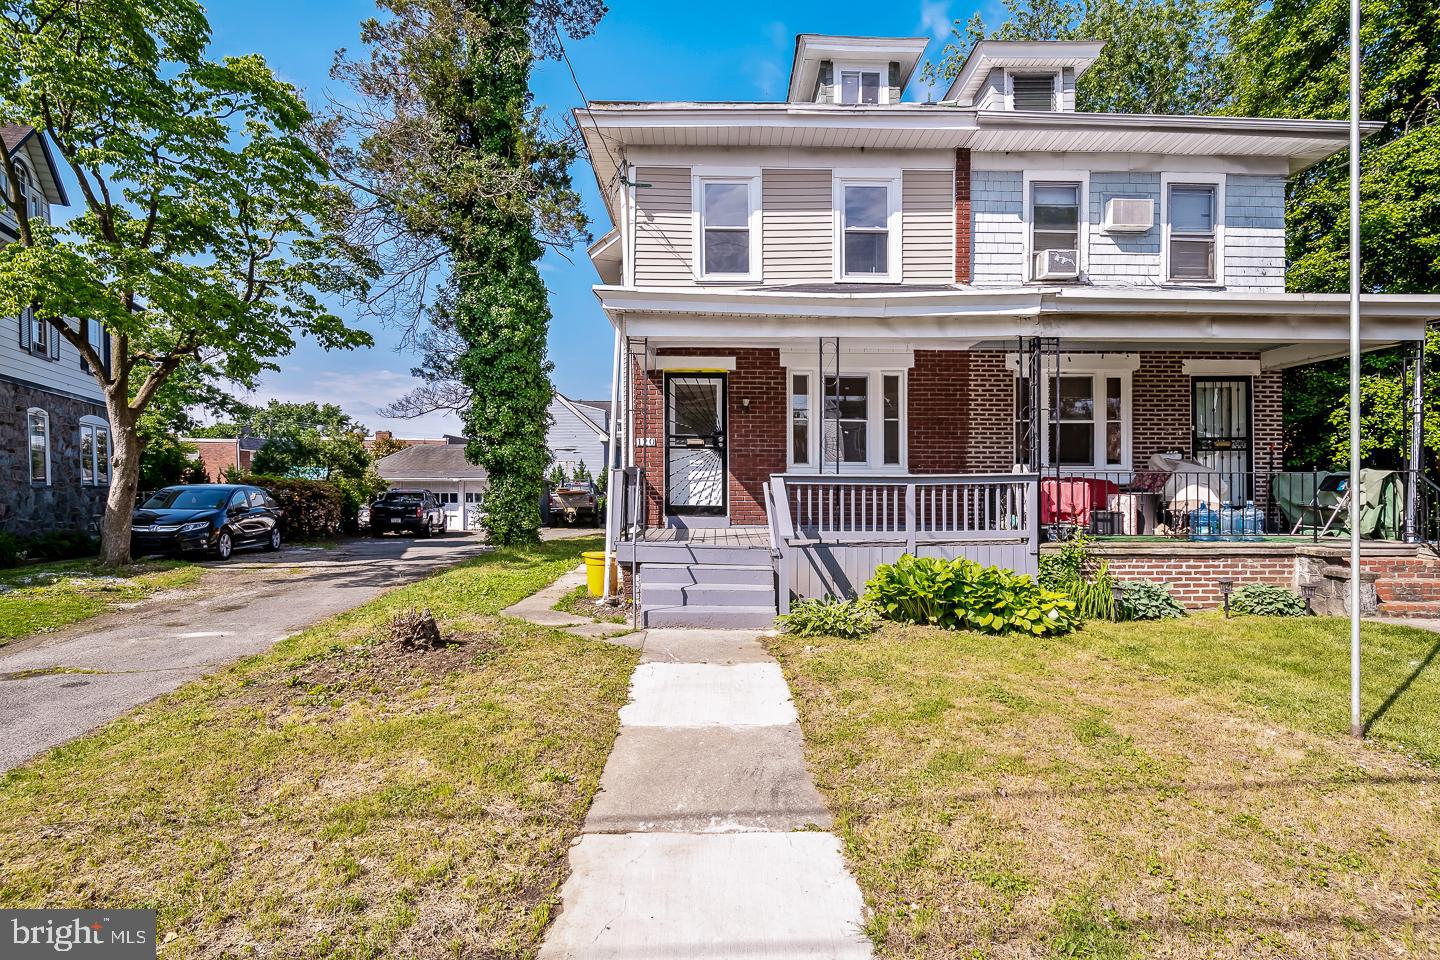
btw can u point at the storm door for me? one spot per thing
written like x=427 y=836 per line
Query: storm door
x=1220 y=432
x=695 y=444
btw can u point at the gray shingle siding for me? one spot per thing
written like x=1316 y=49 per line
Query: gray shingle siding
x=1255 y=233
x=1123 y=258
x=996 y=208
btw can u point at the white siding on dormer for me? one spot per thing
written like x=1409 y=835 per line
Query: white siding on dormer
x=664 y=237
x=1255 y=233
x=991 y=95
x=63 y=375
x=927 y=230
x=1067 y=89
x=798 y=225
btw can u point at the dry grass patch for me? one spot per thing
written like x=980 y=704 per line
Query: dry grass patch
x=1101 y=796
x=340 y=796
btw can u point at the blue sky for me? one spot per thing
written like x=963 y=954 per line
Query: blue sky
x=649 y=50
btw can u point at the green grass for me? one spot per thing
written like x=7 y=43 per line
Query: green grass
x=44 y=596
x=578 y=602
x=337 y=797
x=1171 y=790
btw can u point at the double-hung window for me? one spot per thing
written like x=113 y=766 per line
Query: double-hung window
x=859 y=86
x=38 y=428
x=94 y=452
x=867 y=211
x=728 y=234
x=1192 y=244
x=1086 y=415
x=861 y=420
x=1055 y=224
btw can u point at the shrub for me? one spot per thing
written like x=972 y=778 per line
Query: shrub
x=61 y=545
x=1146 y=600
x=1072 y=571
x=957 y=594
x=830 y=618
x=1266 y=600
x=312 y=508
x=12 y=551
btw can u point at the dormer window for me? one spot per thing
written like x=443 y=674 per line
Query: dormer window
x=859 y=86
x=1033 y=91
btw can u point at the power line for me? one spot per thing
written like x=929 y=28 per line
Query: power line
x=575 y=79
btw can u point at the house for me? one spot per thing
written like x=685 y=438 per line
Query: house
x=54 y=433
x=579 y=434
x=442 y=469
x=223 y=454
x=854 y=325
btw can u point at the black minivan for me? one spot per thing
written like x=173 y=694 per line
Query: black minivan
x=215 y=518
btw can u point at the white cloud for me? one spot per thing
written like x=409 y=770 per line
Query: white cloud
x=935 y=18
x=360 y=393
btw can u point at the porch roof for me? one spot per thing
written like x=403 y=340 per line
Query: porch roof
x=1289 y=328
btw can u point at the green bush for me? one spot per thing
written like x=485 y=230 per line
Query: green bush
x=830 y=618
x=1266 y=600
x=60 y=545
x=312 y=508
x=12 y=551
x=1146 y=600
x=1072 y=571
x=961 y=594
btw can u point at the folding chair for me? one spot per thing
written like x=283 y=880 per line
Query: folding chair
x=1315 y=511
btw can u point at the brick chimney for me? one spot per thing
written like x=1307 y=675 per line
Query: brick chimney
x=964 y=228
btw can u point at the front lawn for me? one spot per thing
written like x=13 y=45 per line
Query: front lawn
x=340 y=796
x=44 y=596
x=1182 y=789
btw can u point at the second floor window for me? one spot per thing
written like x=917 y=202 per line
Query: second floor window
x=1192 y=233
x=865 y=231
x=1055 y=216
x=859 y=86
x=725 y=229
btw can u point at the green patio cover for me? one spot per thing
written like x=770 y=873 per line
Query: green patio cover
x=1382 y=502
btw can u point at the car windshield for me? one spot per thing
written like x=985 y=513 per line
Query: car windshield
x=187 y=498
x=401 y=497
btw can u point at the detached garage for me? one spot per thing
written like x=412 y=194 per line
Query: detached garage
x=442 y=469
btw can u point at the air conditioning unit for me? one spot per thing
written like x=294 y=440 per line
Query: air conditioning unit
x=1128 y=215
x=1057 y=264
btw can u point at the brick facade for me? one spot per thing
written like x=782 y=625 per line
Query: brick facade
x=963 y=230
x=64 y=503
x=937 y=412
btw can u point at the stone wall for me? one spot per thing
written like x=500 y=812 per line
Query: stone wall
x=64 y=503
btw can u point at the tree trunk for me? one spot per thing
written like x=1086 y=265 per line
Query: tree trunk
x=124 y=481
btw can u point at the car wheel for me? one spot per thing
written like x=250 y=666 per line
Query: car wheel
x=224 y=545
x=274 y=542
x=425 y=530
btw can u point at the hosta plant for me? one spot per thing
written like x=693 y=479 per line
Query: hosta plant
x=1147 y=600
x=830 y=618
x=962 y=594
x=1266 y=600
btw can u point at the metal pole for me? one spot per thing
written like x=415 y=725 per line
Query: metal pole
x=1357 y=728
x=610 y=460
x=1417 y=444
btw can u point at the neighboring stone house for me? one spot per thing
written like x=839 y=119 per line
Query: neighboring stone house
x=579 y=433
x=55 y=449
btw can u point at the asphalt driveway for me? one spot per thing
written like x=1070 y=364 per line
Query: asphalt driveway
x=56 y=686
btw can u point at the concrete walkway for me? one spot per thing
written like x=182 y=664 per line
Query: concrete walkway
x=539 y=608
x=707 y=839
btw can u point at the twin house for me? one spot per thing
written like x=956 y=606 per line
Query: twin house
x=54 y=436
x=853 y=325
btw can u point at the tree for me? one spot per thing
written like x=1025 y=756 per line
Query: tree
x=449 y=153
x=300 y=436
x=382 y=447
x=205 y=235
x=1160 y=56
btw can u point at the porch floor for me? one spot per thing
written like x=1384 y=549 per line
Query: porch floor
x=710 y=536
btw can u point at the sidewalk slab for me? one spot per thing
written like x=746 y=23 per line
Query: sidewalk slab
x=678 y=645
x=678 y=896
x=706 y=695
x=706 y=780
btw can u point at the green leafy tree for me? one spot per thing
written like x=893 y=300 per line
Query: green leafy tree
x=451 y=148
x=204 y=233
x=307 y=435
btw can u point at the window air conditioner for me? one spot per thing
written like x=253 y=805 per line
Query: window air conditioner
x=1057 y=264
x=1128 y=215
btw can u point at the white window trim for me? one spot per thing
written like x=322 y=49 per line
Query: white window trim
x=1217 y=180
x=891 y=180
x=1012 y=72
x=49 y=463
x=97 y=425
x=1029 y=177
x=883 y=69
x=746 y=175
x=874 y=422
x=1101 y=366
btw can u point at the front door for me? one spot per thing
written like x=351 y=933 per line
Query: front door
x=1220 y=435
x=695 y=444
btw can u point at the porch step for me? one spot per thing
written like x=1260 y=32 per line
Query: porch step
x=762 y=575
x=709 y=593
x=692 y=615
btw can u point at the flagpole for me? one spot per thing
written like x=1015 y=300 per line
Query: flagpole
x=1357 y=728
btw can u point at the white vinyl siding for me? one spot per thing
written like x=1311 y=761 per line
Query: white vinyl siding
x=927 y=225
x=62 y=375
x=572 y=440
x=664 y=234
x=796 y=227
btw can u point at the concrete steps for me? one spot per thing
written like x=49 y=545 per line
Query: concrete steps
x=708 y=593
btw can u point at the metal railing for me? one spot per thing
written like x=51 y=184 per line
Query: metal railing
x=628 y=485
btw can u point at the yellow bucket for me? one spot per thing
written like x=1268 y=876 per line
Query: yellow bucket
x=595 y=573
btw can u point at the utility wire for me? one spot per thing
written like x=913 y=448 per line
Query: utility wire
x=575 y=79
